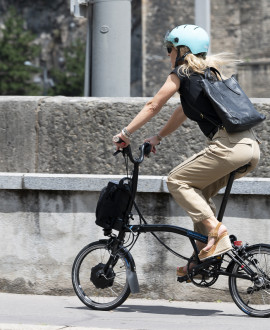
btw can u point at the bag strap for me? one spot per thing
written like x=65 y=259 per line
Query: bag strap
x=208 y=76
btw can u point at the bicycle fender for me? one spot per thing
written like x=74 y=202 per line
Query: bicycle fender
x=131 y=268
x=257 y=246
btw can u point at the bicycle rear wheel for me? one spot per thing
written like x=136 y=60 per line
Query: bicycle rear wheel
x=94 y=289
x=253 y=297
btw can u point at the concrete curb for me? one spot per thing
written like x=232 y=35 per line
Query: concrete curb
x=95 y=182
x=75 y=182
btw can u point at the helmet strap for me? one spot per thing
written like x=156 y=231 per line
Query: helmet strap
x=183 y=57
x=179 y=57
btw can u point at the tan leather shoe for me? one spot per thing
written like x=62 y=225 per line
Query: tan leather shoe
x=221 y=245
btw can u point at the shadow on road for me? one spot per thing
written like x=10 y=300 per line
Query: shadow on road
x=161 y=310
x=167 y=310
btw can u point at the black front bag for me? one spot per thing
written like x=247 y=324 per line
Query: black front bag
x=113 y=204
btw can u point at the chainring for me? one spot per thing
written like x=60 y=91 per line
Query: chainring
x=206 y=276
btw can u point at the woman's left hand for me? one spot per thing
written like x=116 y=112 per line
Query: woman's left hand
x=125 y=141
x=153 y=140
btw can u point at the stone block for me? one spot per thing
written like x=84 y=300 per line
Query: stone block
x=18 y=133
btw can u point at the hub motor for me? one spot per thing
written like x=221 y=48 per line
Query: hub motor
x=99 y=279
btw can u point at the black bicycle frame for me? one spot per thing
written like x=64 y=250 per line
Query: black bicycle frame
x=192 y=235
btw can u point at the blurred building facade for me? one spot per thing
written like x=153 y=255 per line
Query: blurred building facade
x=240 y=27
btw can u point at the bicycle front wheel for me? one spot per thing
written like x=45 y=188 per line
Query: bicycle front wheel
x=94 y=289
x=253 y=297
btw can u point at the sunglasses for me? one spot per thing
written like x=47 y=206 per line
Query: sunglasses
x=169 y=50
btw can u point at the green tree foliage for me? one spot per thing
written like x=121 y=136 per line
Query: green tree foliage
x=16 y=47
x=69 y=80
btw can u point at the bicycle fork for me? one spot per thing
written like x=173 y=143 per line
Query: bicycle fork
x=131 y=269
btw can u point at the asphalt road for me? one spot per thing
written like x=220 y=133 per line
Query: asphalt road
x=26 y=312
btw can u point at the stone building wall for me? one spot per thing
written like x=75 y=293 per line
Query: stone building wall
x=157 y=18
x=238 y=27
x=243 y=28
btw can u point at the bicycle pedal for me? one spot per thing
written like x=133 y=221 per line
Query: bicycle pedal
x=182 y=279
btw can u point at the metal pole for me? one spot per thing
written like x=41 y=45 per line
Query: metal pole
x=88 y=53
x=111 y=44
x=203 y=15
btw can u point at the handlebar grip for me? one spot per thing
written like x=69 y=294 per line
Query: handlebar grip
x=147 y=149
x=117 y=139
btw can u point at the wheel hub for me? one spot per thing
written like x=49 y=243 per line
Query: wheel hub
x=98 y=277
x=259 y=282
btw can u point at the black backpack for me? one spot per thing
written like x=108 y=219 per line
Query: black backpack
x=113 y=204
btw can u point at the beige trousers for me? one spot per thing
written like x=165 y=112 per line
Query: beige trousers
x=200 y=177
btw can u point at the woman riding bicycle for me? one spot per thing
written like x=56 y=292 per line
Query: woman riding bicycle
x=194 y=182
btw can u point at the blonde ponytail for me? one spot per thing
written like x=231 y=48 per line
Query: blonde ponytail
x=199 y=63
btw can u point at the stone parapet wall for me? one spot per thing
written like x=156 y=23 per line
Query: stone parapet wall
x=74 y=135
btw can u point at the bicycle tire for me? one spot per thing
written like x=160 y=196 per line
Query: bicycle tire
x=105 y=295
x=253 y=299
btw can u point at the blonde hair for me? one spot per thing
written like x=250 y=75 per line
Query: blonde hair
x=198 y=63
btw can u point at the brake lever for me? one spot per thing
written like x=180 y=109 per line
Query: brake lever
x=117 y=152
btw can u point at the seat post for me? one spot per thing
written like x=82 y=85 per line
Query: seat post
x=226 y=196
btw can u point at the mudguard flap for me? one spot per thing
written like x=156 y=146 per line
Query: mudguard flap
x=133 y=281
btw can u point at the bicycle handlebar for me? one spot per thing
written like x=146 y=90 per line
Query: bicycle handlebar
x=145 y=150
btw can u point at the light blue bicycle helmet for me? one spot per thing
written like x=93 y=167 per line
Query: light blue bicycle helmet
x=192 y=36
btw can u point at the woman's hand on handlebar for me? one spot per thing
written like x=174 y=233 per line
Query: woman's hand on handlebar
x=153 y=140
x=120 y=141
